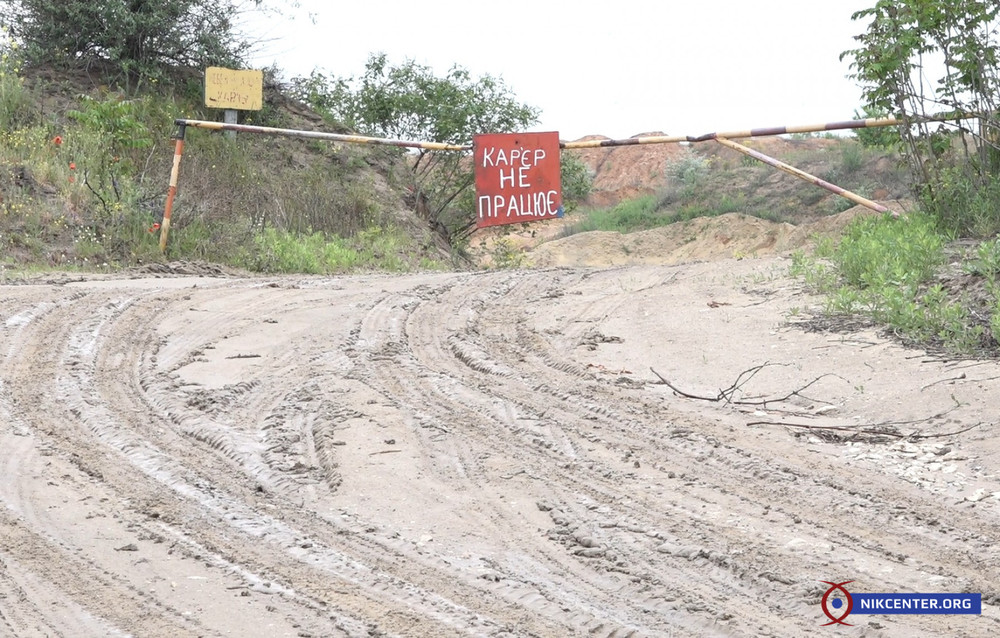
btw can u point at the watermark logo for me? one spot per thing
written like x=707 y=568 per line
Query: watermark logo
x=838 y=603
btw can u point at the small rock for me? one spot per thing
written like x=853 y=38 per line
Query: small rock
x=587 y=541
x=976 y=496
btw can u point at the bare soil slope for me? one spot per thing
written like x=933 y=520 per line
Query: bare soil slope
x=484 y=454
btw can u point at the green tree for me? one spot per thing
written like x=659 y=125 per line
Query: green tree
x=576 y=179
x=918 y=58
x=879 y=137
x=138 y=39
x=410 y=101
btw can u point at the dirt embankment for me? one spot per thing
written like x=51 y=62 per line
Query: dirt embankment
x=729 y=236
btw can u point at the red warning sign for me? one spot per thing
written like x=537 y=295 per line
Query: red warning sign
x=517 y=178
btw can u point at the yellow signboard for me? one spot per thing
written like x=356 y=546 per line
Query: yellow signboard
x=229 y=89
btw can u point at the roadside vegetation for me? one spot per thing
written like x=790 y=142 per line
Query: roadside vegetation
x=707 y=180
x=932 y=276
x=87 y=102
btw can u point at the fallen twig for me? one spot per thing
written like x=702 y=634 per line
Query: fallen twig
x=919 y=437
x=958 y=378
x=744 y=378
x=869 y=430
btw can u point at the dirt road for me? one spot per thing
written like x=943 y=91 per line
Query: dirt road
x=485 y=454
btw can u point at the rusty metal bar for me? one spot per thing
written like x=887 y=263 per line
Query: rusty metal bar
x=172 y=191
x=649 y=139
x=805 y=128
x=722 y=138
x=764 y=132
x=833 y=188
x=317 y=135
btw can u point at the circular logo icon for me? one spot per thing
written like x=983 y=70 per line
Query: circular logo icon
x=837 y=603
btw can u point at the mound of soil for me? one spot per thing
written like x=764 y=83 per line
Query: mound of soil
x=732 y=235
x=626 y=172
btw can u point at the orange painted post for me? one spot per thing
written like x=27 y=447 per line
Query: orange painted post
x=172 y=191
x=791 y=170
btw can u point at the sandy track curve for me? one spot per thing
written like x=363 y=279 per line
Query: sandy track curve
x=475 y=454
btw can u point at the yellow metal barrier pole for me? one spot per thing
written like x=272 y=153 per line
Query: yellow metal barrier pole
x=319 y=135
x=764 y=132
x=833 y=188
x=172 y=191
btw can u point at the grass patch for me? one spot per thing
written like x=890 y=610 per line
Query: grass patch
x=892 y=271
x=84 y=174
x=626 y=217
x=648 y=211
x=317 y=253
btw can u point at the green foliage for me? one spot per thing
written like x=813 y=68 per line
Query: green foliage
x=121 y=121
x=690 y=171
x=577 y=180
x=889 y=64
x=877 y=137
x=141 y=39
x=16 y=107
x=277 y=251
x=852 y=158
x=879 y=251
x=986 y=262
x=282 y=251
x=884 y=268
x=627 y=216
x=965 y=206
x=505 y=255
x=410 y=101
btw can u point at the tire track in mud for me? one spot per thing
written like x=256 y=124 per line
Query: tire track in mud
x=718 y=477
x=156 y=452
x=523 y=493
x=160 y=466
x=575 y=593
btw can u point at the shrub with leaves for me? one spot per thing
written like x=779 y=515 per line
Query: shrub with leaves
x=410 y=101
x=895 y=63
x=140 y=38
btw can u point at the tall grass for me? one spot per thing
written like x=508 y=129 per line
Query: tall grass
x=887 y=269
x=86 y=186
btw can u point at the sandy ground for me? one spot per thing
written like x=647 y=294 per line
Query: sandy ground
x=480 y=454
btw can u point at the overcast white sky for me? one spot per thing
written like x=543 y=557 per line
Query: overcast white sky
x=615 y=67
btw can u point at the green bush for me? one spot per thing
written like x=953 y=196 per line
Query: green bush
x=964 y=207
x=880 y=251
x=16 y=105
x=142 y=41
x=877 y=137
x=577 y=180
x=626 y=217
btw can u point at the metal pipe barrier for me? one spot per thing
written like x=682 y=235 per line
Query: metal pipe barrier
x=724 y=138
x=812 y=179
